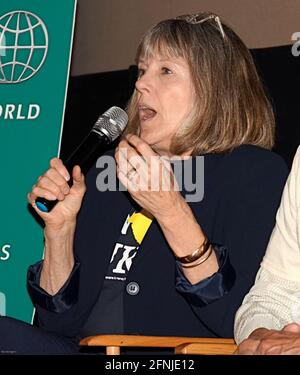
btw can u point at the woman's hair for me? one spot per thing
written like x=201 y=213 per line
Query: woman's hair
x=231 y=105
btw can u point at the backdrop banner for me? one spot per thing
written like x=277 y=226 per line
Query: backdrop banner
x=35 y=50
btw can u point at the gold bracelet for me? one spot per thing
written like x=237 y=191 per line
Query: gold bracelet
x=196 y=254
x=201 y=260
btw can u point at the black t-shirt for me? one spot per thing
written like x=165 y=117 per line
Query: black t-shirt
x=106 y=316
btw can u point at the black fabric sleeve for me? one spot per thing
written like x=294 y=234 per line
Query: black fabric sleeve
x=247 y=224
x=212 y=288
x=63 y=300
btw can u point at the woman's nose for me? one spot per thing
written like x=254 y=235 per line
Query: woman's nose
x=143 y=83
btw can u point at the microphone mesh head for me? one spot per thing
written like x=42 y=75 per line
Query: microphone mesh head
x=111 y=123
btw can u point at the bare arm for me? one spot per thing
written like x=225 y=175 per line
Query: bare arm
x=58 y=259
x=184 y=236
x=60 y=223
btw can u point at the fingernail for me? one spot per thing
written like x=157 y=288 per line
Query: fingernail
x=66 y=190
x=61 y=196
x=51 y=196
x=123 y=151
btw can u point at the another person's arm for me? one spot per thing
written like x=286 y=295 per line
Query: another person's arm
x=274 y=300
x=268 y=320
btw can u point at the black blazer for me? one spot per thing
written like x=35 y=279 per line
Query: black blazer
x=242 y=193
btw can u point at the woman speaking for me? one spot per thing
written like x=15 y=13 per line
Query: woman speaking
x=146 y=261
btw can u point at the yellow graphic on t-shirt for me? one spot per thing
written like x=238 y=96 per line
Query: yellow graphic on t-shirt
x=140 y=223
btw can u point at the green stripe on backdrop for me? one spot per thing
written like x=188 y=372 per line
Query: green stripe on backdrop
x=35 y=49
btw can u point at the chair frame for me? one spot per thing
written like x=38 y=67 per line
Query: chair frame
x=181 y=345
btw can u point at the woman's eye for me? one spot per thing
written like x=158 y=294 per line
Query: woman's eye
x=166 y=70
x=141 y=72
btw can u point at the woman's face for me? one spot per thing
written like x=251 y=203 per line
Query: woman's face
x=165 y=97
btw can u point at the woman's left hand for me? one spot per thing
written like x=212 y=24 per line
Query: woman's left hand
x=148 y=177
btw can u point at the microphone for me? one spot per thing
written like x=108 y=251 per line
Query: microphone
x=107 y=129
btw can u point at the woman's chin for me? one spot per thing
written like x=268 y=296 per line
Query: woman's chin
x=156 y=144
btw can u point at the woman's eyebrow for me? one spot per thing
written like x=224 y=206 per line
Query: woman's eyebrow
x=162 y=60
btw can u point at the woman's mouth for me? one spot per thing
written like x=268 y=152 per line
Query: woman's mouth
x=146 y=113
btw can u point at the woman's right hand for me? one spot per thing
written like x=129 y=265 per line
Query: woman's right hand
x=52 y=185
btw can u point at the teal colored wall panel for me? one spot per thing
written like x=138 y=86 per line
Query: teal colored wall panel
x=35 y=49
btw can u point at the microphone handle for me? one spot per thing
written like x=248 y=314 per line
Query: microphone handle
x=84 y=156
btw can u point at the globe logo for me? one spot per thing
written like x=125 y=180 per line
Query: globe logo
x=23 y=46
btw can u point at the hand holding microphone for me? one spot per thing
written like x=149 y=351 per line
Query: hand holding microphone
x=53 y=187
x=65 y=184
